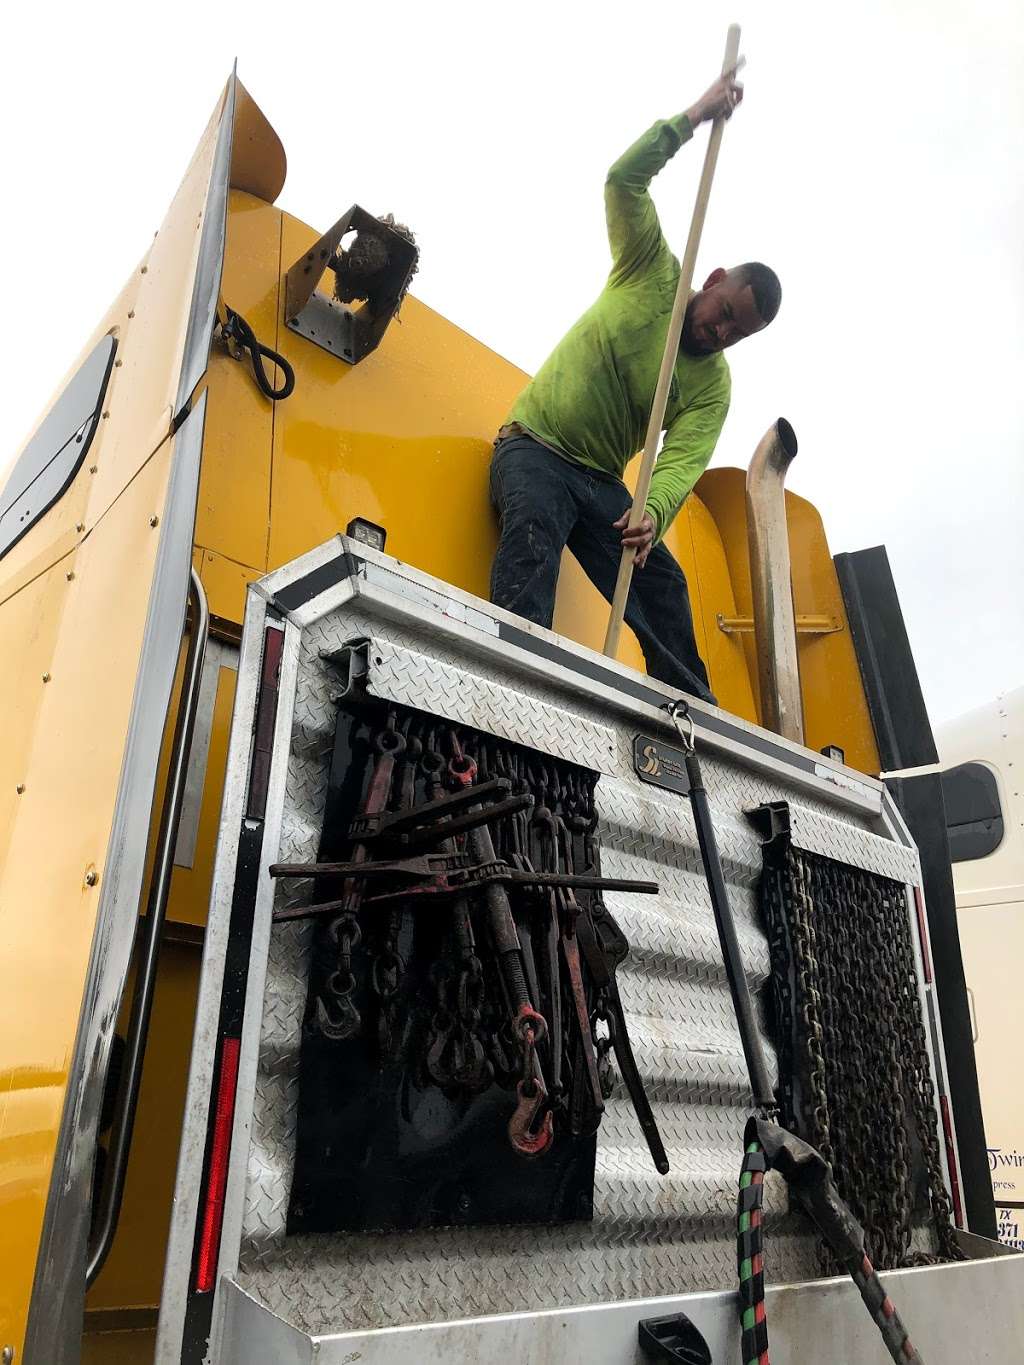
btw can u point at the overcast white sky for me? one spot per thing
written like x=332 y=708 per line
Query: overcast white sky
x=876 y=164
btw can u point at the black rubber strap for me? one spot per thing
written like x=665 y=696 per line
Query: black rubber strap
x=750 y=1198
x=755 y=1340
x=752 y=1291
x=237 y=328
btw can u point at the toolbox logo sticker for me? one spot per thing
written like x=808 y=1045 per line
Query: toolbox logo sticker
x=660 y=764
x=651 y=766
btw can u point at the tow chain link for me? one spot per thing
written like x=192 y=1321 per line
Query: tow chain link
x=337 y=1015
x=856 y=1077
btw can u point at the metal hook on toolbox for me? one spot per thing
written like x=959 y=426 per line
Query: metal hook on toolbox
x=531 y=1092
x=520 y=1135
x=683 y=721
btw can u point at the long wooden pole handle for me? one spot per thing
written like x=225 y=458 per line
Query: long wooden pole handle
x=668 y=360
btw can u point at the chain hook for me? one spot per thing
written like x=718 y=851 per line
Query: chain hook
x=526 y=1142
x=390 y=740
x=462 y=769
x=339 y=1021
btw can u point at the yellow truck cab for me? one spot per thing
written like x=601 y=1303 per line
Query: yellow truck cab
x=244 y=556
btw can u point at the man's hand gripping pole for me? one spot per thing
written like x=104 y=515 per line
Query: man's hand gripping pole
x=668 y=360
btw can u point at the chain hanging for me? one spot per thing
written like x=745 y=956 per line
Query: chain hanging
x=856 y=1080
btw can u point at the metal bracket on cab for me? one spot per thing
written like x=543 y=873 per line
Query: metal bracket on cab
x=350 y=332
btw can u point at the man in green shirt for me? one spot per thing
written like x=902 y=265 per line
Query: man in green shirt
x=556 y=477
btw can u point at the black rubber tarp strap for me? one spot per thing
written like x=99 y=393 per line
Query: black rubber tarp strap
x=753 y=1050
x=238 y=330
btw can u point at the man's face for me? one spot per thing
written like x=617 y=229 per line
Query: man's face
x=723 y=313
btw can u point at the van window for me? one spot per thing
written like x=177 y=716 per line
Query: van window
x=974 y=816
x=51 y=459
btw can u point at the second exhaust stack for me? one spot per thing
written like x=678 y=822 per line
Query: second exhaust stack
x=778 y=665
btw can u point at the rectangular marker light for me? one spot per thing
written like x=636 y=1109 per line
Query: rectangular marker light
x=367 y=532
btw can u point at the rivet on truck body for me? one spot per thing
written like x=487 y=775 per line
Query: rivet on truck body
x=91 y=876
x=70 y=575
x=154 y=521
x=46 y=677
x=80 y=527
x=7 y=1355
x=20 y=788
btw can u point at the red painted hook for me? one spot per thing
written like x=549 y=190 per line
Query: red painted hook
x=528 y=1022
x=523 y=1139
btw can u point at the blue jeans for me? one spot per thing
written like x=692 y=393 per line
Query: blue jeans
x=546 y=502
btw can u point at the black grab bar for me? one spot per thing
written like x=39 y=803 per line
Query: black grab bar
x=108 y=1208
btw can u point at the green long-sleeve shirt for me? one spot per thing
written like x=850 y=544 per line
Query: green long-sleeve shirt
x=591 y=399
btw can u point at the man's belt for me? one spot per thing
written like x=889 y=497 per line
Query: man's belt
x=511 y=429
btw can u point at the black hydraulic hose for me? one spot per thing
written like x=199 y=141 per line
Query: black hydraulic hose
x=238 y=330
x=148 y=948
x=757 y=1068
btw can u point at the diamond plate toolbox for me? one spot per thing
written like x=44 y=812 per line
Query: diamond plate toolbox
x=650 y=1235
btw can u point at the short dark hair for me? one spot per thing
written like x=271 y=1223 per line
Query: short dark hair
x=764 y=284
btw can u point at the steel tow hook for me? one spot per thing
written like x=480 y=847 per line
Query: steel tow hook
x=530 y=1091
x=525 y=1142
x=341 y=1022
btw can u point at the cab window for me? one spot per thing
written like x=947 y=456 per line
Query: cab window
x=52 y=458
x=974 y=816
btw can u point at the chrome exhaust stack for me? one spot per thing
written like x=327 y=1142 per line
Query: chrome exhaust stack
x=771 y=581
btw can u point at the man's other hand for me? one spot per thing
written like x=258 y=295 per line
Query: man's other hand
x=718 y=100
x=640 y=538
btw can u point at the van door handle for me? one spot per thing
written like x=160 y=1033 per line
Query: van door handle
x=974 y=1015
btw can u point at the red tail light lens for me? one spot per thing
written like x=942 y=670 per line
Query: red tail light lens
x=213 y=1213
x=954 y=1174
x=922 y=933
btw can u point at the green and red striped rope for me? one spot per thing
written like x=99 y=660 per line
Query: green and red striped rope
x=750 y=1256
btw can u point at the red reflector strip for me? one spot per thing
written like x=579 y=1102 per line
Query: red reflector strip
x=922 y=934
x=213 y=1213
x=954 y=1174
